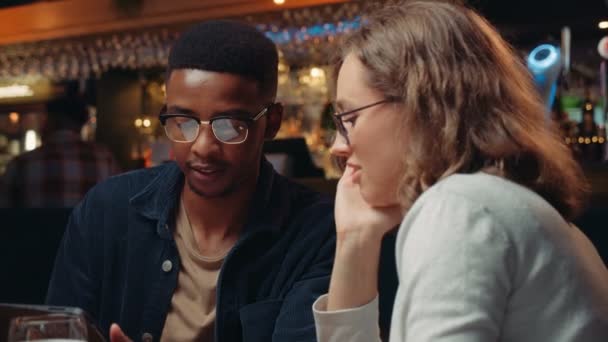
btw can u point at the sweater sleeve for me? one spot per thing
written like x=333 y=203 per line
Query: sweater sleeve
x=353 y=325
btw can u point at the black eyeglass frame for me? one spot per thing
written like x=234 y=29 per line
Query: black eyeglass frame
x=337 y=117
x=164 y=117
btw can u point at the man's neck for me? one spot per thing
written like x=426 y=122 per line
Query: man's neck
x=217 y=221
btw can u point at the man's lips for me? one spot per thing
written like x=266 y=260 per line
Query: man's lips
x=206 y=172
x=206 y=169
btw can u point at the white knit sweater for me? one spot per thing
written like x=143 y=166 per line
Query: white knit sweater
x=481 y=258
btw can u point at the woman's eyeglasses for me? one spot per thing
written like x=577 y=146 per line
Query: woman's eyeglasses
x=339 y=117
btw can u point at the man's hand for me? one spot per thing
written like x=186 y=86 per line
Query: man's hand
x=116 y=334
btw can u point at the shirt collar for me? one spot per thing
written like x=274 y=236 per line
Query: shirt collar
x=158 y=200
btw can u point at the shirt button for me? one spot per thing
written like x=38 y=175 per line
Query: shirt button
x=147 y=337
x=167 y=266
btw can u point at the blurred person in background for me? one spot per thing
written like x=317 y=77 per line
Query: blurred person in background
x=60 y=172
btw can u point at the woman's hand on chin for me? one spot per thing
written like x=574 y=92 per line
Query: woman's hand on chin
x=356 y=220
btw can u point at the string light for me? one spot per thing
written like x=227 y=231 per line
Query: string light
x=306 y=33
x=587 y=140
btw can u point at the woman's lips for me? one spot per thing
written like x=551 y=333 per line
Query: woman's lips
x=355 y=172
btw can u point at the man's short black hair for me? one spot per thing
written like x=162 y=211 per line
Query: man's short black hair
x=230 y=47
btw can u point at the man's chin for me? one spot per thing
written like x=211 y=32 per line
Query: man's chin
x=210 y=191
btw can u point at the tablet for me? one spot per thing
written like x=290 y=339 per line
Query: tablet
x=10 y=311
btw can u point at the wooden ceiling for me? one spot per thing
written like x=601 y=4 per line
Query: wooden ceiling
x=69 y=18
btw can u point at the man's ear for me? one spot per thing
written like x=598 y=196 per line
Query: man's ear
x=275 y=117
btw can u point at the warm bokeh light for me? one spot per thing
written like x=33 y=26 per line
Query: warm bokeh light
x=30 y=140
x=279 y=2
x=603 y=25
x=147 y=123
x=16 y=90
x=138 y=123
x=317 y=72
x=14 y=117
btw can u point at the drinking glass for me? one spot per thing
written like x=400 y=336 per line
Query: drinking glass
x=48 y=328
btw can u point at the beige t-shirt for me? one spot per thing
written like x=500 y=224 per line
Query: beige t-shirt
x=191 y=316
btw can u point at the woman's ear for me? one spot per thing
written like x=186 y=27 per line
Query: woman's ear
x=275 y=117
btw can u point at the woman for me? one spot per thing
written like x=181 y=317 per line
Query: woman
x=442 y=130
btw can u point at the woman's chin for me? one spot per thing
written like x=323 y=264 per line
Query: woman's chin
x=376 y=197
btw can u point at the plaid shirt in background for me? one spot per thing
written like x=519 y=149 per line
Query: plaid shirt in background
x=57 y=174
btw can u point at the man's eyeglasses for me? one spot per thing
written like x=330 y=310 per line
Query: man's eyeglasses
x=185 y=128
x=339 y=117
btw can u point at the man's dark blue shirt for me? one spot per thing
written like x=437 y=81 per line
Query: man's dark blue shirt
x=110 y=262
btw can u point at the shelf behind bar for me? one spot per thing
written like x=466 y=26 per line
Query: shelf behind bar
x=69 y=18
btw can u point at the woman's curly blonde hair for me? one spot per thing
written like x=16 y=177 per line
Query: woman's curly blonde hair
x=468 y=101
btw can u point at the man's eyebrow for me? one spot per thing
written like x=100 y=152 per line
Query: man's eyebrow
x=178 y=109
x=240 y=112
x=237 y=112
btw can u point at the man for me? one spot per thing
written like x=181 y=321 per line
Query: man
x=216 y=246
x=60 y=172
